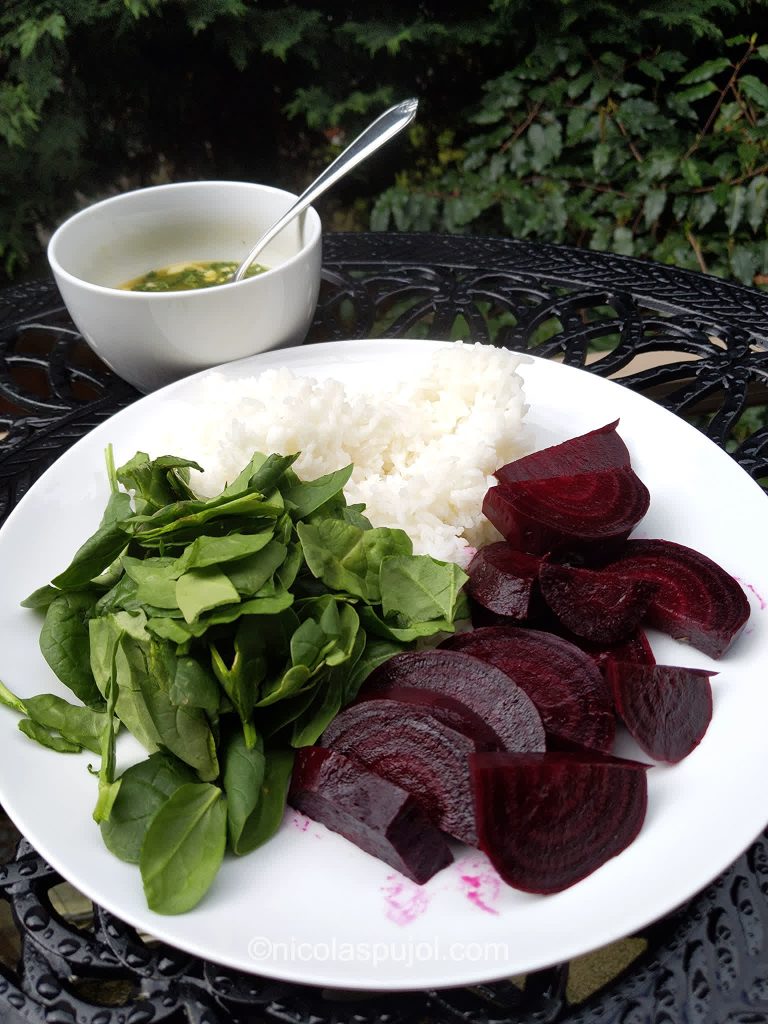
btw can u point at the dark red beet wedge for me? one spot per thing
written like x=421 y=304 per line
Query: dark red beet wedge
x=448 y=710
x=563 y=682
x=695 y=600
x=502 y=579
x=484 y=689
x=636 y=650
x=580 y=512
x=409 y=746
x=601 y=605
x=371 y=812
x=588 y=453
x=548 y=820
x=666 y=709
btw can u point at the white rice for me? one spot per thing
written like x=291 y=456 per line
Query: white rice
x=424 y=447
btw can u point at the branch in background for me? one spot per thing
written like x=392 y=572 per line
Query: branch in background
x=743 y=106
x=694 y=244
x=762 y=169
x=533 y=113
x=720 y=100
x=632 y=147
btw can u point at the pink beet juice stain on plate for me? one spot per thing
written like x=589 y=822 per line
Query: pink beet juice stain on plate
x=299 y=820
x=404 y=900
x=479 y=883
x=762 y=603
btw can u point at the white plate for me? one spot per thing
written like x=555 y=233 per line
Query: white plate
x=309 y=906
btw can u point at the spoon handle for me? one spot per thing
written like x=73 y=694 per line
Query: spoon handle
x=376 y=134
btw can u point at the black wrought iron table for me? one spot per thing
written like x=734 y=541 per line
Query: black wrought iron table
x=696 y=344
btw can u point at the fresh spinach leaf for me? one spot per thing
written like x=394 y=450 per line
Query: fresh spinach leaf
x=241 y=679
x=327 y=700
x=249 y=575
x=108 y=787
x=266 y=817
x=384 y=630
x=64 y=643
x=10 y=700
x=122 y=596
x=175 y=523
x=41 y=599
x=206 y=551
x=348 y=559
x=418 y=588
x=48 y=738
x=374 y=654
x=285 y=575
x=306 y=496
x=201 y=590
x=244 y=767
x=144 y=788
x=93 y=557
x=157 y=481
x=194 y=686
x=77 y=724
x=183 y=848
x=267 y=476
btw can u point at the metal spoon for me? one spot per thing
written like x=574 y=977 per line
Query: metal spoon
x=376 y=134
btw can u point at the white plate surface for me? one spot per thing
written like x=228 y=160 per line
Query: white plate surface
x=310 y=907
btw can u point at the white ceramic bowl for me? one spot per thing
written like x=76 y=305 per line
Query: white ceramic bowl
x=150 y=339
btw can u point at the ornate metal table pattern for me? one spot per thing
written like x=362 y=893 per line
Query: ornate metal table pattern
x=696 y=344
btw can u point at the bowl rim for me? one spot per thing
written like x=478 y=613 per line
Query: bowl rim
x=191 y=294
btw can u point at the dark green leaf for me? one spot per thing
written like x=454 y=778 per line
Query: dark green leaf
x=183 y=848
x=757 y=202
x=705 y=71
x=144 y=788
x=266 y=817
x=193 y=686
x=65 y=645
x=244 y=768
x=348 y=559
x=249 y=575
x=48 y=738
x=80 y=725
x=755 y=90
x=306 y=496
x=375 y=653
x=42 y=598
x=213 y=551
x=93 y=557
x=736 y=202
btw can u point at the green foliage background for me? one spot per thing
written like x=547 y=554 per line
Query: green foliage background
x=639 y=127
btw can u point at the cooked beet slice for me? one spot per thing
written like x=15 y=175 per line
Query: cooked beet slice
x=408 y=745
x=601 y=605
x=448 y=710
x=665 y=708
x=562 y=681
x=695 y=600
x=636 y=650
x=588 y=453
x=502 y=579
x=371 y=812
x=583 y=511
x=548 y=820
x=484 y=689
